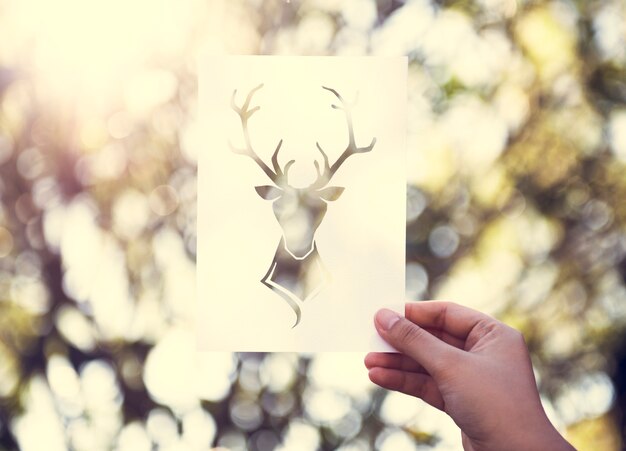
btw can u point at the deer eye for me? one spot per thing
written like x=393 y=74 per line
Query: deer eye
x=268 y=192
x=331 y=193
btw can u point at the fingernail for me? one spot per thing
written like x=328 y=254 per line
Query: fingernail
x=387 y=318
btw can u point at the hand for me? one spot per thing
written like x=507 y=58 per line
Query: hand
x=469 y=365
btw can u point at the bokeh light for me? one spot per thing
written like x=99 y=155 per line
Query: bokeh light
x=516 y=168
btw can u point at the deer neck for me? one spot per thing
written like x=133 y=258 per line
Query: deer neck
x=282 y=253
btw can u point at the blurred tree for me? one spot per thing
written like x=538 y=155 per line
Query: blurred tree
x=517 y=176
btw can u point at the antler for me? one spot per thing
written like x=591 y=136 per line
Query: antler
x=351 y=149
x=278 y=176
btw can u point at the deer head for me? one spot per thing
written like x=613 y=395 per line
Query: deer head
x=299 y=211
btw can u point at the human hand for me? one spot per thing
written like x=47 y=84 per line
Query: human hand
x=469 y=365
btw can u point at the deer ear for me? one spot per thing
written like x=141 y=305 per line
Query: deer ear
x=331 y=193
x=268 y=192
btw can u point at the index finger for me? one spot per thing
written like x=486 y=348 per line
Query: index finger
x=453 y=318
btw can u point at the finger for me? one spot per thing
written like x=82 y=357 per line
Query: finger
x=410 y=339
x=405 y=363
x=415 y=384
x=447 y=316
x=447 y=337
x=393 y=361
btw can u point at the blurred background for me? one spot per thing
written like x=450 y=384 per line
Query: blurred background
x=516 y=206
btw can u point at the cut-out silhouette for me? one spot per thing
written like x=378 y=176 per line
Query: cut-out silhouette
x=297 y=272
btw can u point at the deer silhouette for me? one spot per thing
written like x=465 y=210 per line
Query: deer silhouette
x=297 y=273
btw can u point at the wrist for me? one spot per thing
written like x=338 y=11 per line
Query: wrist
x=540 y=436
x=553 y=440
x=543 y=437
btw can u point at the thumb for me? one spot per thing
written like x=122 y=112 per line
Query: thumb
x=415 y=342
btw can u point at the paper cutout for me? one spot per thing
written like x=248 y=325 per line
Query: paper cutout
x=297 y=272
x=344 y=218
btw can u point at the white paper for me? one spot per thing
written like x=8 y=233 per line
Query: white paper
x=263 y=264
